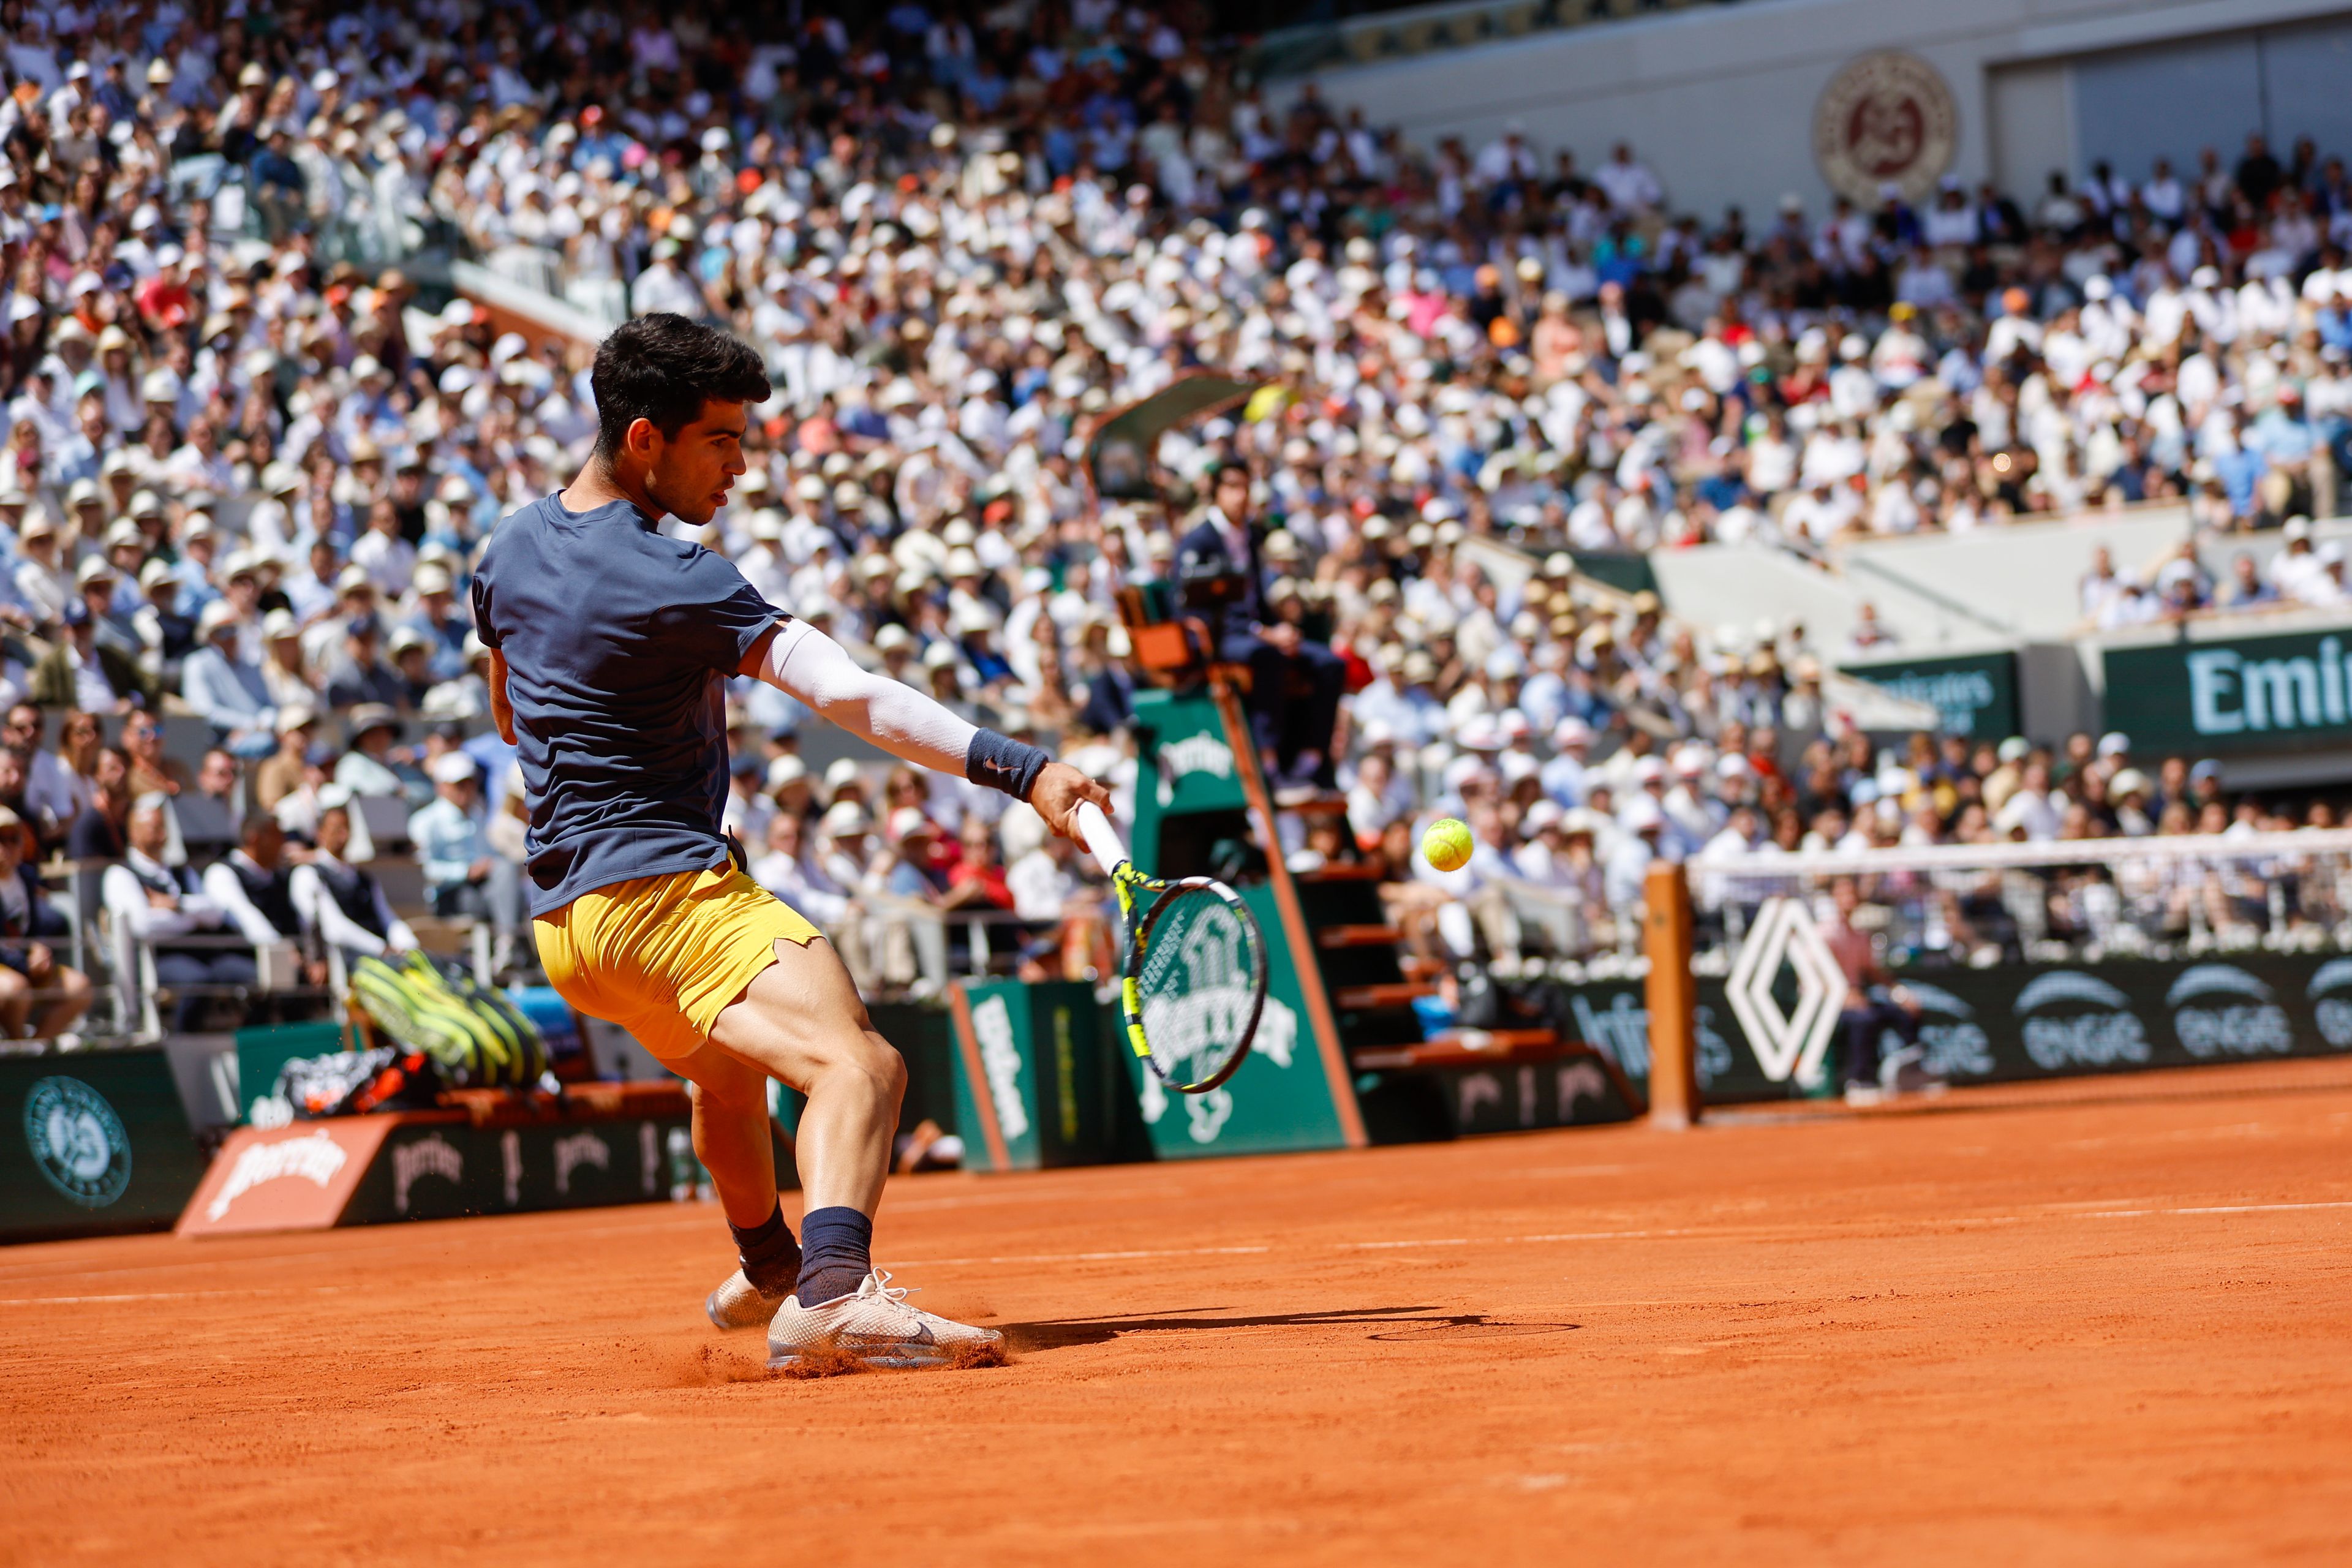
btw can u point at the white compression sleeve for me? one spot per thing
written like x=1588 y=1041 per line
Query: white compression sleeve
x=805 y=663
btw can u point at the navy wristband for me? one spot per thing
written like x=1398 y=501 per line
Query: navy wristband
x=1003 y=763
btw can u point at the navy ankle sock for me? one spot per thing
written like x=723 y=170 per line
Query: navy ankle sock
x=771 y=1259
x=837 y=1252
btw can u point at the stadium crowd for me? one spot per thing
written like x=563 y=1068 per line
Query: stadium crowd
x=252 y=458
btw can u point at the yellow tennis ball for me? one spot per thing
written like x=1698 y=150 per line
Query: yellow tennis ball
x=1446 y=845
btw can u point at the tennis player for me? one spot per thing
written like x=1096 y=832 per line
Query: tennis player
x=611 y=644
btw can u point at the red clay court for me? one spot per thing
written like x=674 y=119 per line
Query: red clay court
x=2087 y=1322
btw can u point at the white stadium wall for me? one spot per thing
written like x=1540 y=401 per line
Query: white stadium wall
x=1721 y=102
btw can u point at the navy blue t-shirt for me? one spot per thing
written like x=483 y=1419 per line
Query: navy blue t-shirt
x=618 y=641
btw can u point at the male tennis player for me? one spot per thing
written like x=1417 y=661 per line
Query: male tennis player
x=610 y=647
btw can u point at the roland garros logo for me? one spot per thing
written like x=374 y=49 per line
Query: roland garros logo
x=78 y=1141
x=1885 y=118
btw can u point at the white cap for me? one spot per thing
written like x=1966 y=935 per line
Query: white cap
x=454 y=767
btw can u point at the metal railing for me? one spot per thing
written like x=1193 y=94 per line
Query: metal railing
x=905 y=944
x=1982 y=904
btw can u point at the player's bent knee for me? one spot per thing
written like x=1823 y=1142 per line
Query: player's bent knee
x=887 y=1066
x=864 y=1054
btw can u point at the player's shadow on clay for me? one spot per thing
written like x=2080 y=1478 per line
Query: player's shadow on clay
x=1395 y=1325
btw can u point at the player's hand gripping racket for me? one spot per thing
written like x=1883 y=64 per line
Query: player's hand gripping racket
x=1194 y=980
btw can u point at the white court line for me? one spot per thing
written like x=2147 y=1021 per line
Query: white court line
x=1139 y=1254
x=1508 y=1240
x=162 y=1296
x=2217 y=1209
x=1088 y=1257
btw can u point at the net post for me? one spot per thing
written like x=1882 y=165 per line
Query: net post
x=1672 y=997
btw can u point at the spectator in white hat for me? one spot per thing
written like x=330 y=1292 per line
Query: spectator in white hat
x=42 y=585
x=228 y=691
x=450 y=846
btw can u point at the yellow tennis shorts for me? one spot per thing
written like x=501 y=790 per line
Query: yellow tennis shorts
x=663 y=956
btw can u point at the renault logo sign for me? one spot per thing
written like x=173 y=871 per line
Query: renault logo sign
x=1787 y=1043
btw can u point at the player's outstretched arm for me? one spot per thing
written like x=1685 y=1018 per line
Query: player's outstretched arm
x=805 y=663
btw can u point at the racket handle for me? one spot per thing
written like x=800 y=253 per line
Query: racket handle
x=1101 y=838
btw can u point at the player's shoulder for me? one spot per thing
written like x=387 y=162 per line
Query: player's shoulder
x=517 y=530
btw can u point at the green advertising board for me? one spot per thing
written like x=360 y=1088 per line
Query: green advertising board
x=91 y=1143
x=2290 y=691
x=1034 y=1084
x=1973 y=694
x=1189 y=795
x=2021 y=1021
x=1279 y=1100
x=444 y=1169
x=262 y=1054
x=1188 y=770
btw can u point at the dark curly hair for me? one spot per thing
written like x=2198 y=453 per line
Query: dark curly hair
x=664 y=368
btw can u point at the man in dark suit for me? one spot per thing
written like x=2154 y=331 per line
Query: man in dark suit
x=1294 y=685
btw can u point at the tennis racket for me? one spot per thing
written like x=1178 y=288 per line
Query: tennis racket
x=1193 y=983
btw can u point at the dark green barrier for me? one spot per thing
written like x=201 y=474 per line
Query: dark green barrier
x=2021 y=1021
x=1628 y=572
x=91 y=1143
x=445 y=1170
x=926 y=1039
x=2287 y=692
x=1428 y=1105
x=1034 y=1087
x=1973 y=694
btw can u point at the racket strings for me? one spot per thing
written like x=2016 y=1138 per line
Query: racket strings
x=1199 y=983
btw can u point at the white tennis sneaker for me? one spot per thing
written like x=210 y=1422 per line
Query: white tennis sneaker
x=875 y=1325
x=738 y=1304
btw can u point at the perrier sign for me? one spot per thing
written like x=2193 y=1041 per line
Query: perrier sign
x=2287 y=692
